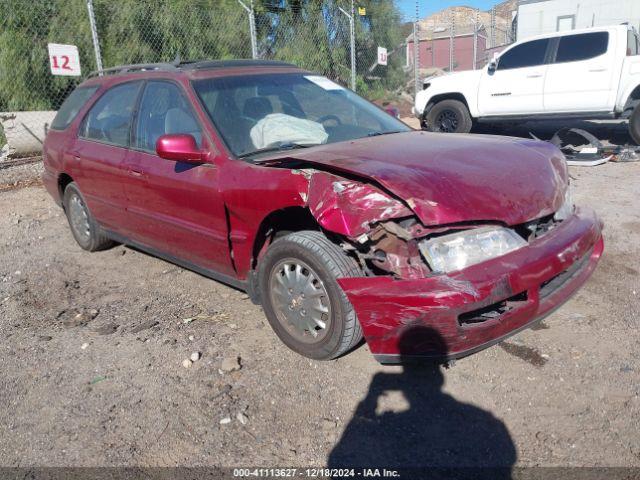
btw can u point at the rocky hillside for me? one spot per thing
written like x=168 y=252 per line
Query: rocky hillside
x=463 y=16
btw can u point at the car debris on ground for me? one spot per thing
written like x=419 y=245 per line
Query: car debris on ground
x=583 y=149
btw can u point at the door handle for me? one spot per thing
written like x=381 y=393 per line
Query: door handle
x=135 y=172
x=534 y=75
x=598 y=70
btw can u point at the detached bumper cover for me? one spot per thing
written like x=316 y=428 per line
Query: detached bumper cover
x=436 y=316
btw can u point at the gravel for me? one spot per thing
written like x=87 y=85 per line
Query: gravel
x=566 y=393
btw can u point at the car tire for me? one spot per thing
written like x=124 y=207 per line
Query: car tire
x=634 y=125
x=83 y=226
x=449 y=116
x=299 y=293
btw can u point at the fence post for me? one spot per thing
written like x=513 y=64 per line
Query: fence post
x=352 y=33
x=416 y=56
x=353 y=46
x=94 y=36
x=451 y=39
x=252 y=28
x=493 y=27
x=475 y=40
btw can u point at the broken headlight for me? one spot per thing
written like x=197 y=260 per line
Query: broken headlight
x=456 y=251
x=566 y=209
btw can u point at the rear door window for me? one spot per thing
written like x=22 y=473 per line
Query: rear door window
x=573 y=48
x=528 y=54
x=164 y=110
x=71 y=106
x=109 y=120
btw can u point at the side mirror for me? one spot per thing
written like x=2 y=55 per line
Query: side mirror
x=491 y=68
x=180 y=147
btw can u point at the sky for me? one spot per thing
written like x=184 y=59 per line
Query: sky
x=427 y=7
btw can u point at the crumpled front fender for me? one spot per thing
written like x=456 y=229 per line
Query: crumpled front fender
x=349 y=207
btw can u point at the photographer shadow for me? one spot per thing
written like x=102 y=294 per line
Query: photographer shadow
x=435 y=431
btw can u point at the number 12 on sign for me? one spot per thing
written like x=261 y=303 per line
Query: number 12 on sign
x=64 y=59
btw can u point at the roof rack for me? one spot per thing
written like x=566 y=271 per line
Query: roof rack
x=138 y=67
x=188 y=65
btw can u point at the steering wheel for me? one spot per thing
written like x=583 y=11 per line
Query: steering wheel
x=326 y=118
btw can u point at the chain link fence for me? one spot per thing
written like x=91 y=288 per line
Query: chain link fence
x=317 y=35
x=453 y=44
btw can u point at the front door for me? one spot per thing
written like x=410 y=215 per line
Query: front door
x=177 y=206
x=516 y=85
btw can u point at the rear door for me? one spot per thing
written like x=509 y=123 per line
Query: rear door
x=99 y=152
x=581 y=77
x=516 y=86
x=176 y=207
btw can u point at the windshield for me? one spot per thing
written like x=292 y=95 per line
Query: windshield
x=260 y=113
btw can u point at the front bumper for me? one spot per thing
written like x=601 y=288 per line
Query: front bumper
x=455 y=315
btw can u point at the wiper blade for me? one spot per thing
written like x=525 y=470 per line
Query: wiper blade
x=278 y=148
x=375 y=134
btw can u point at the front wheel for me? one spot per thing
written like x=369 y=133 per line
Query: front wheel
x=634 y=125
x=449 y=116
x=304 y=304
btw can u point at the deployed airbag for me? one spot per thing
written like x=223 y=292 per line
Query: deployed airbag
x=278 y=128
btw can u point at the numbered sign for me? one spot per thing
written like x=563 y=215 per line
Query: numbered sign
x=382 y=56
x=64 y=59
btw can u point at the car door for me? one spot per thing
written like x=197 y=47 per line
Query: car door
x=99 y=153
x=177 y=207
x=581 y=77
x=516 y=84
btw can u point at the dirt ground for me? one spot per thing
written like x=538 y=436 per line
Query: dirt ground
x=93 y=346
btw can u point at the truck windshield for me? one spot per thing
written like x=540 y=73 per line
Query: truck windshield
x=258 y=113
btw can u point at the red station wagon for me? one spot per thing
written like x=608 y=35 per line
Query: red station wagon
x=337 y=218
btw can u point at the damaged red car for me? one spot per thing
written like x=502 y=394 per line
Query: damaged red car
x=337 y=218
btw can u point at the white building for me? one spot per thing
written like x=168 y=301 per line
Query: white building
x=548 y=16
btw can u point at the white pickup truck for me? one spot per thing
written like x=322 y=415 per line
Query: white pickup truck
x=585 y=74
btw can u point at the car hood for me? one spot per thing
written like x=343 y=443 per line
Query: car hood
x=453 y=178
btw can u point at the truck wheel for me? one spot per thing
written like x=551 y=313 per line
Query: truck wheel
x=449 y=116
x=84 y=228
x=634 y=125
x=304 y=304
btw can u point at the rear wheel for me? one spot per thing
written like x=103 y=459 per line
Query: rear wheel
x=84 y=228
x=301 y=298
x=449 y=116
x=634 y=125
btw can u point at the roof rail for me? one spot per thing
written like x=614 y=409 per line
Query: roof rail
x=188 y=65
x=138 y=67
x=207 y=64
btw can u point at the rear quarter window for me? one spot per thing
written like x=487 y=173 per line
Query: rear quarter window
x=633 y=44
x=71 y=106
